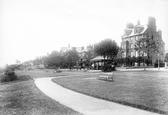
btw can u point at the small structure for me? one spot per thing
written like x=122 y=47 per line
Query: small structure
x=98 y=62
x=58 y=70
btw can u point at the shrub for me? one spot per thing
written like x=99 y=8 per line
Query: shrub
x=9 y=75
x=109 y=68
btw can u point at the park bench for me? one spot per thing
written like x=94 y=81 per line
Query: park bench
x=106 y=76
x=57 y=71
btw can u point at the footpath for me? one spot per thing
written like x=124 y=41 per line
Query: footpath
x=85 y=104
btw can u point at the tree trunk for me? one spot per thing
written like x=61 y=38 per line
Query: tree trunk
x=104 y=63
x=144 y=62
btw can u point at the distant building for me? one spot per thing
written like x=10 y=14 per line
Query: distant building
x=65 y=49
x=81 y=52
x=134 y=33
x=78 y=49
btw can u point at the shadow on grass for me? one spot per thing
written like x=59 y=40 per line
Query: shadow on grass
x=19 y=79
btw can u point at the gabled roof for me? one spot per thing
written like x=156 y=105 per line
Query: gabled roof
x=140 y=29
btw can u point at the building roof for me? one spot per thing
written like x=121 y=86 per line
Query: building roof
x=138 y=29
x=98 y=58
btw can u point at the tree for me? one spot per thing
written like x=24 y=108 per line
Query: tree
x=145 y=46
x=54 y=60
x=128 y=61
x=139 y=60
x=148 y=61
x=107 y=48
x=120 y=60
x=72 y=57
x=133 y=60
x=9 y=73
x=166 y=60
x=38 y=61
x=89 y=54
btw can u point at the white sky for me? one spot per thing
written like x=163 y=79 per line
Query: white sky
x=31 y=28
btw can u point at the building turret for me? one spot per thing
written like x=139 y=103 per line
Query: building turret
x=138 y=22
x=130 y=25
x=152 y=24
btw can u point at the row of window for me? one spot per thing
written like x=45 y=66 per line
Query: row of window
x=124 y=46
x=136 y=54
x=141 y=53
x=132 y=45
x=130 y=39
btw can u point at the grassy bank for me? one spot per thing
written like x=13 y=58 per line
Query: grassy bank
x=23 y=97
x=141 y=89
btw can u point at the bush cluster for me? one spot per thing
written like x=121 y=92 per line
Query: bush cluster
x=9 y=75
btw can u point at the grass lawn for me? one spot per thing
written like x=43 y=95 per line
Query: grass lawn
x=146 y=90
x=43 y=73
x=22 y=97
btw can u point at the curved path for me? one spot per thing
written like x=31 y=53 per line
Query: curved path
x=85 y=104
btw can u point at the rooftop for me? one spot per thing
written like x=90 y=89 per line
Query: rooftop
x=138 y=29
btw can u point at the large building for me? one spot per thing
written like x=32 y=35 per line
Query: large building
x=134 y=33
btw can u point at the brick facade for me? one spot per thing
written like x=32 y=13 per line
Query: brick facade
x=134 y=33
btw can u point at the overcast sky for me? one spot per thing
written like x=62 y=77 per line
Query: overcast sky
x=31 y=28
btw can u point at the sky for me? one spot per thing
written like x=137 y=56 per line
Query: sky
x=32 y=28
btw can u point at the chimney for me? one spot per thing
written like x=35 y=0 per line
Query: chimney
x=160 y=33
x=138 y=22
x=152 y=24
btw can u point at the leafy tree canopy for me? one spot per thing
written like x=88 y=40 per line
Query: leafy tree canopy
x=107 y=48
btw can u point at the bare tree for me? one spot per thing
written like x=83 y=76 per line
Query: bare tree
x=145 y=47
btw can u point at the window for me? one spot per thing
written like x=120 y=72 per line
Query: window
x=161 y=48
x=123 y=54
x=131 y=53
x=127 y=39
x=145 y=44
x=131 y=39
x=140 y=37
x=141 y=53
x=136 y=38
x=136 y=54
x=132 y=46
x=124 y=46
x=141 y=44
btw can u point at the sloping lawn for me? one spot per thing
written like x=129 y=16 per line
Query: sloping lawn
x=146 y=90
x=22 y=97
